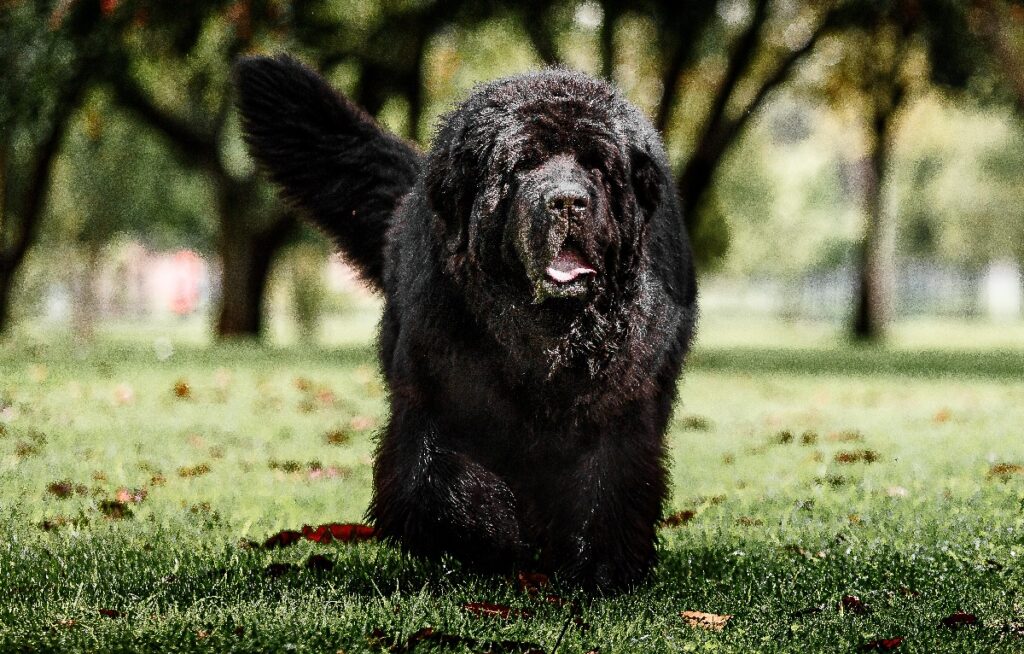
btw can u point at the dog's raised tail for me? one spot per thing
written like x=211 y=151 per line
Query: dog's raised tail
x=329 y=157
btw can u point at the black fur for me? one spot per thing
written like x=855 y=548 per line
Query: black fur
x=527 y=413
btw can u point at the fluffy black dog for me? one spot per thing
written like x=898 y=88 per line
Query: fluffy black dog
x=540 y=300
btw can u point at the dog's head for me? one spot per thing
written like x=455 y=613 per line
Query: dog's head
x=542 y=186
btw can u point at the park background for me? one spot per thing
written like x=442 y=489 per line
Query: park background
x=186 y=369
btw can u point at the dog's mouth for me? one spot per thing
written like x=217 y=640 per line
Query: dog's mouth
x=567 y=267
x=567 y=275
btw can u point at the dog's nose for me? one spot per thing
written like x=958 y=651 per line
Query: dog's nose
x=567 y=198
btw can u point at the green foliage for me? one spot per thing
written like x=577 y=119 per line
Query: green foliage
x=117 y=178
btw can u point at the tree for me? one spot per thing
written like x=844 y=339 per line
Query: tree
x=886 y=53
x=46 y=61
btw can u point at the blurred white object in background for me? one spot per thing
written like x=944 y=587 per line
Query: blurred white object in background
x=1001 y=289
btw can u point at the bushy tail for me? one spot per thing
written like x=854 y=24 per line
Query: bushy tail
x=329 y=157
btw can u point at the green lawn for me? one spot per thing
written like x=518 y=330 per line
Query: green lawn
x=136 y=476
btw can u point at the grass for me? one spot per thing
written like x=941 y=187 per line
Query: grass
x=808 y=471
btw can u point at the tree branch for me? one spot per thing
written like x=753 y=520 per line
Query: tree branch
x=670 y=87
x=993 y=33
x=194 y=145
x=29 y=215
x=779 y=76
x=535 y=23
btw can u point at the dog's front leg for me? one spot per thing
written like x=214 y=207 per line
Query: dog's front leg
x=430 y=498
x=603 y=528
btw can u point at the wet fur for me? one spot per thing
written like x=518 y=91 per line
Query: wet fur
x=523 y=431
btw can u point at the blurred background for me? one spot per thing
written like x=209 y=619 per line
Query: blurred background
x=850 y=169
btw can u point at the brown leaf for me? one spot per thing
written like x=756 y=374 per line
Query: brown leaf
x=110 y=613
x=853 y=605
x=194 y=471
x=847 y=457
x=1004 y=471
x=709 y=621
x=959 y=619
x=115 y=510
x=338 y=437
x=882 y=645
x=848 y=436
x=61 y=489
x=747 y=521
x=495 y=610
x=532 y=582
x=182 y=390
x=942 y=415
x=679 y=518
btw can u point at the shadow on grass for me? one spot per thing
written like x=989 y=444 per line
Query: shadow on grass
x=846 y=360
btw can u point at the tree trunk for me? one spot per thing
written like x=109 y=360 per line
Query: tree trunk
x=876 y=286
x=6 y=288
x=246 y=256
x=85 y=299
x=245 y=267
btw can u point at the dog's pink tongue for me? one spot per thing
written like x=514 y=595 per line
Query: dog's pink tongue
x=567 y=266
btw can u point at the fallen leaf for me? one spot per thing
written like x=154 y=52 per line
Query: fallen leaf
x=747 y=521
x=882 y=645
x=110 y=613
x=182 y=390
x=679 y=518
x=131 y=495
x=283 y=538
x=853 y=605
x=61 y=489
x=959 y=619
x=65 y=623
x=1004 y=471
x=362 y=423
x=344 y=533
x=532 y=582
x=709 y=621
x=124 y=394
x=848 y=436
x=338 y=437
x=115 y=510
x=847 y=457
x=942 y=415
x=495 y=610
x=194 y=471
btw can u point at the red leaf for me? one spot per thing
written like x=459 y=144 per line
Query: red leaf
x=883 y=644
x=351 y=533
x=959 y=619
x=110 y=613
x=283 y=538
x=495 y=610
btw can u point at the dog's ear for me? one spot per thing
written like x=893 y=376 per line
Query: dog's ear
x=452 y=173
x=649 y=179
x=329 y=157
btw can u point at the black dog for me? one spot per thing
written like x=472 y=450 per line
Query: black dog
x=540 y=300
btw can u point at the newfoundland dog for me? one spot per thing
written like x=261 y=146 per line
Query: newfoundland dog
x=539 y=302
